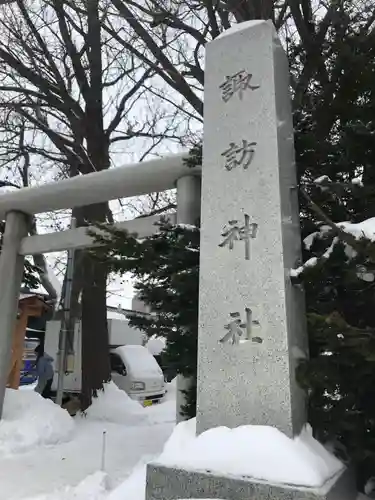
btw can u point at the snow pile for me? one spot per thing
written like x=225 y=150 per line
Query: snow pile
x=114 y=405
x=94 y=487
x=133 y=488
x=254 y=451
x=91 y=488
x=30 y=421
x=164 y=412
x=27 y=387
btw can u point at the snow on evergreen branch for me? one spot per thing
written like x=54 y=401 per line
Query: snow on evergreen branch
x=361 y=231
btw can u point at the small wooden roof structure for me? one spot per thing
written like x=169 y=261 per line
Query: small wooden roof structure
x=29 y=304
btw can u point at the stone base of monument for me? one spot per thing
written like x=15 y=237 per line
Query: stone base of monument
x=165 y=483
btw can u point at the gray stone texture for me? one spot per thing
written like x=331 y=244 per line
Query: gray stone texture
x=250 y=383
x=172 y=484
x=188 y=212
x=11 y=272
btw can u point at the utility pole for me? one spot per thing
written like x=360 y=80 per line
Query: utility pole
x=65 y=324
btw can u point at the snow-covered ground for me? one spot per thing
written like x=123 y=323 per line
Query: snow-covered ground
x=39 y=463
x=47 y=455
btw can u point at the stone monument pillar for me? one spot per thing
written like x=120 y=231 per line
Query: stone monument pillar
x=252 y=328
x=251 y=318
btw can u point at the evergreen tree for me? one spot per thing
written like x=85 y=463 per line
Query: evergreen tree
x=337 y=180
x=166 y=271
x=30 y=276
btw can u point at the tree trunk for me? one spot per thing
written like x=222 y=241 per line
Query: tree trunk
x=95 y=346
x=90 y=280
x=95 y=355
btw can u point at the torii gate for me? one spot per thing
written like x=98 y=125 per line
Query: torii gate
x=131 y=180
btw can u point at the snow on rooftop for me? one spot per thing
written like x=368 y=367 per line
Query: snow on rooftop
x=27 y=295
x=254 y=451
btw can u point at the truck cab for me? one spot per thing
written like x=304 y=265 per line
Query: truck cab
x=135 y=371
x=134 y=368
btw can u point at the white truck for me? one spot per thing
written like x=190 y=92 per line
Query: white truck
x=138 y=374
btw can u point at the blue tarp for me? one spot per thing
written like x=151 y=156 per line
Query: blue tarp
x=28 y=373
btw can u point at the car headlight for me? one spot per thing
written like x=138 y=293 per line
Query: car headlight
x=138 y=386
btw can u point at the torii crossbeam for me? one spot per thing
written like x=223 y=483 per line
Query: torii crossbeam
x=131 y=180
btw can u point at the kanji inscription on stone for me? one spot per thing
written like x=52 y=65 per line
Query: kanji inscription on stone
x=239 y=331
x=236 y=84
x=239 y=155
x=235 y=232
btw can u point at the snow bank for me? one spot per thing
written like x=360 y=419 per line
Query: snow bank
x=259 y=452
x=91 y=488
x=164 y=412
x=94 y=487
x=30 y=421
x=133 y=488
x=114 y=405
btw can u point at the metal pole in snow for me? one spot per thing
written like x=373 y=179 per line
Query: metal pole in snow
x=65 y=323
x=102 y=468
